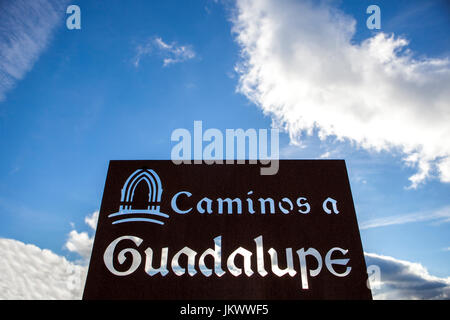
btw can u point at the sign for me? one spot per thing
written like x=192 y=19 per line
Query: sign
x=188 y=231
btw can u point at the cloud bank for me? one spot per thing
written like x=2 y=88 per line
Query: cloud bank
x=300 y=66
x=25 y=31
x=406 y=280
x=28 y=272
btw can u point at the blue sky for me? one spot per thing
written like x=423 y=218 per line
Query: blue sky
x=79 y=98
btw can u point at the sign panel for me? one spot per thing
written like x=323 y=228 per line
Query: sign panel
x=199 y=231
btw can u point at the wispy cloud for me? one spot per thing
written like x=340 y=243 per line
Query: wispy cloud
x=300 y=65
x=439 y=216
x=325 y=155
x=171 y=53
x=400 y=279
x=26 y=28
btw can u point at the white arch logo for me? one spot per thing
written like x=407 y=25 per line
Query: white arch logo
x=126 y=213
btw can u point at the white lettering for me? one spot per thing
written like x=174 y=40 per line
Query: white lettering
x=310 y=261
x=329 y=262
x=179 y=271
x=302 y=254
x=148 y=262
x=108 y=257
x=217 y=255
x=289 y=260
x=236 y=271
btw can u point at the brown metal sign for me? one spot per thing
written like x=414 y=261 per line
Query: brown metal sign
x=202 y=231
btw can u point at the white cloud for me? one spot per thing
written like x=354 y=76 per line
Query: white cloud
x=92 y=220
x=171 y=53
x=28 y=272
x=25 y=31
x=438 y=216
x=80 y=242
x=300 y=66
x=406 y=280
x=325 y=155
